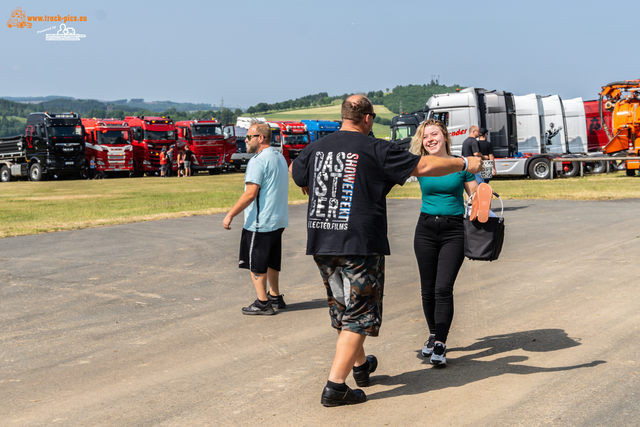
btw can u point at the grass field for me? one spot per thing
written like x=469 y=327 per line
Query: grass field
x=332 y=112
x=40 y=207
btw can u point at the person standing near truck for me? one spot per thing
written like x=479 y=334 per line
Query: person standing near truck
x=470 y=147
x=163 y=162
x=188 y=154
x=347 y=175
x=169 y=161
x=266 y=214
x=487 y=151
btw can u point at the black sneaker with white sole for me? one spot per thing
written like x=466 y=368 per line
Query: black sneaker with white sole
x=258 y=308
x=277 y=301
x=428 y=346
x=438 y=357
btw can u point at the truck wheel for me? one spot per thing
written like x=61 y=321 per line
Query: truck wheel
x=539 y=169
x=618 y=165
x=599 y=167
x=631 y=172
x=5 y=174
x=83 y=173
x=35 y=172
x=573 y=169
x=214 y=171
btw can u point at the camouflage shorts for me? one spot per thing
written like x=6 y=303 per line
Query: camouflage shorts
x=355 y=285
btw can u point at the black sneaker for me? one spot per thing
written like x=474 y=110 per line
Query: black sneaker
x=439 y=355
x=278 y=301
x=258 y=308
x=331 y=397
x=362 y=377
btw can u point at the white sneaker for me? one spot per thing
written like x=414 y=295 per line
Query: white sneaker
x=428 y=346
x=438 y=355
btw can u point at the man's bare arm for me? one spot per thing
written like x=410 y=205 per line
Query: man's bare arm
x=243 y=202
x=437 y=166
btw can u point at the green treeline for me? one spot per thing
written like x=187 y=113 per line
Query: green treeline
x=400 y=99
x=11 y=112
x=411 y=97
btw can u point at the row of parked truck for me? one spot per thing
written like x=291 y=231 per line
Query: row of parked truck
x=531 y=133
x=63 y=144
x=528 y=134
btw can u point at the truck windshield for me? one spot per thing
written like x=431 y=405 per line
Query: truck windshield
x=404 y=132
x=157 y=135
x=112 y=137
x=275 y=138
x=296 y=139
x=207 y=130
x=57 y=131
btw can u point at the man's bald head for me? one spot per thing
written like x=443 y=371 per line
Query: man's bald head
x=355 y=107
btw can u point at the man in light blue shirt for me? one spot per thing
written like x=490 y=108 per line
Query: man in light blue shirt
x=266 y=214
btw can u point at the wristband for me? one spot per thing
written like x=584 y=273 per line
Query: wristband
x=465 y=164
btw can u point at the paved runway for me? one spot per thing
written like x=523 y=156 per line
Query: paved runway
x=140 y=325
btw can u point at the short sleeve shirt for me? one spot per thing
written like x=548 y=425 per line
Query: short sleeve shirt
x=443 y=195
x=470 y=146
x=485 y=147
x=270 y=210
x=349 y=176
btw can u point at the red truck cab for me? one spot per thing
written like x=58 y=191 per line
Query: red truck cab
x=211 y=143
x=109 y=141
x=596 y=136
x=294 y=138
x=150 y=136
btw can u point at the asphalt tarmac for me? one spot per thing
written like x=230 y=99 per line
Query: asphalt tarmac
x=140 y=325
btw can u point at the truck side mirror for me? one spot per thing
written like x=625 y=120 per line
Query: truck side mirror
x=225 y=135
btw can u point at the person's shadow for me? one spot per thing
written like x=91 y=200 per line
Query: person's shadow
x=468 y=369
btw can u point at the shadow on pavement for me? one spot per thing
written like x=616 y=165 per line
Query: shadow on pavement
x=514 y=208
x=468 y=369
x=308 y=305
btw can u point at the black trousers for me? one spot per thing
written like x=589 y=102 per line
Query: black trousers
x=439 y=248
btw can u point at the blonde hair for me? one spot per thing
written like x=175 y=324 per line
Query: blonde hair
x=416 y=143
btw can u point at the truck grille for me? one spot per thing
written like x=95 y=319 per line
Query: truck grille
x=210 y=160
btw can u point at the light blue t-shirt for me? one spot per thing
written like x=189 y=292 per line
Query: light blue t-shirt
x=442 y=195
x=270 y=210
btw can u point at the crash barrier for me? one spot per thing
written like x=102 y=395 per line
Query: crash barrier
x=582 y=161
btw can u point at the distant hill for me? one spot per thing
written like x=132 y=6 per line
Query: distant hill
x=399 y=99
x=33 y=99
x=81 y=105
x=332 y=112
x=13 y=114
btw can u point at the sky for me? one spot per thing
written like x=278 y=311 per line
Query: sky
x=247 y=52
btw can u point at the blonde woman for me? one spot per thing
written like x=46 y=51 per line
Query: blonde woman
x=439 y=236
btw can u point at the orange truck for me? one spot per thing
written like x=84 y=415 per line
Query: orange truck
x=621 y=98
x=108 y=141
x=211 y=143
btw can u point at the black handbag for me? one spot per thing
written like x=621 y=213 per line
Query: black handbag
x=483 y=241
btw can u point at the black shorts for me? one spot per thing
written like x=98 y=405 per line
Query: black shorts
x=261 y=251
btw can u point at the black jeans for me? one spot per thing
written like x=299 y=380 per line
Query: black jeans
x=439 y=248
